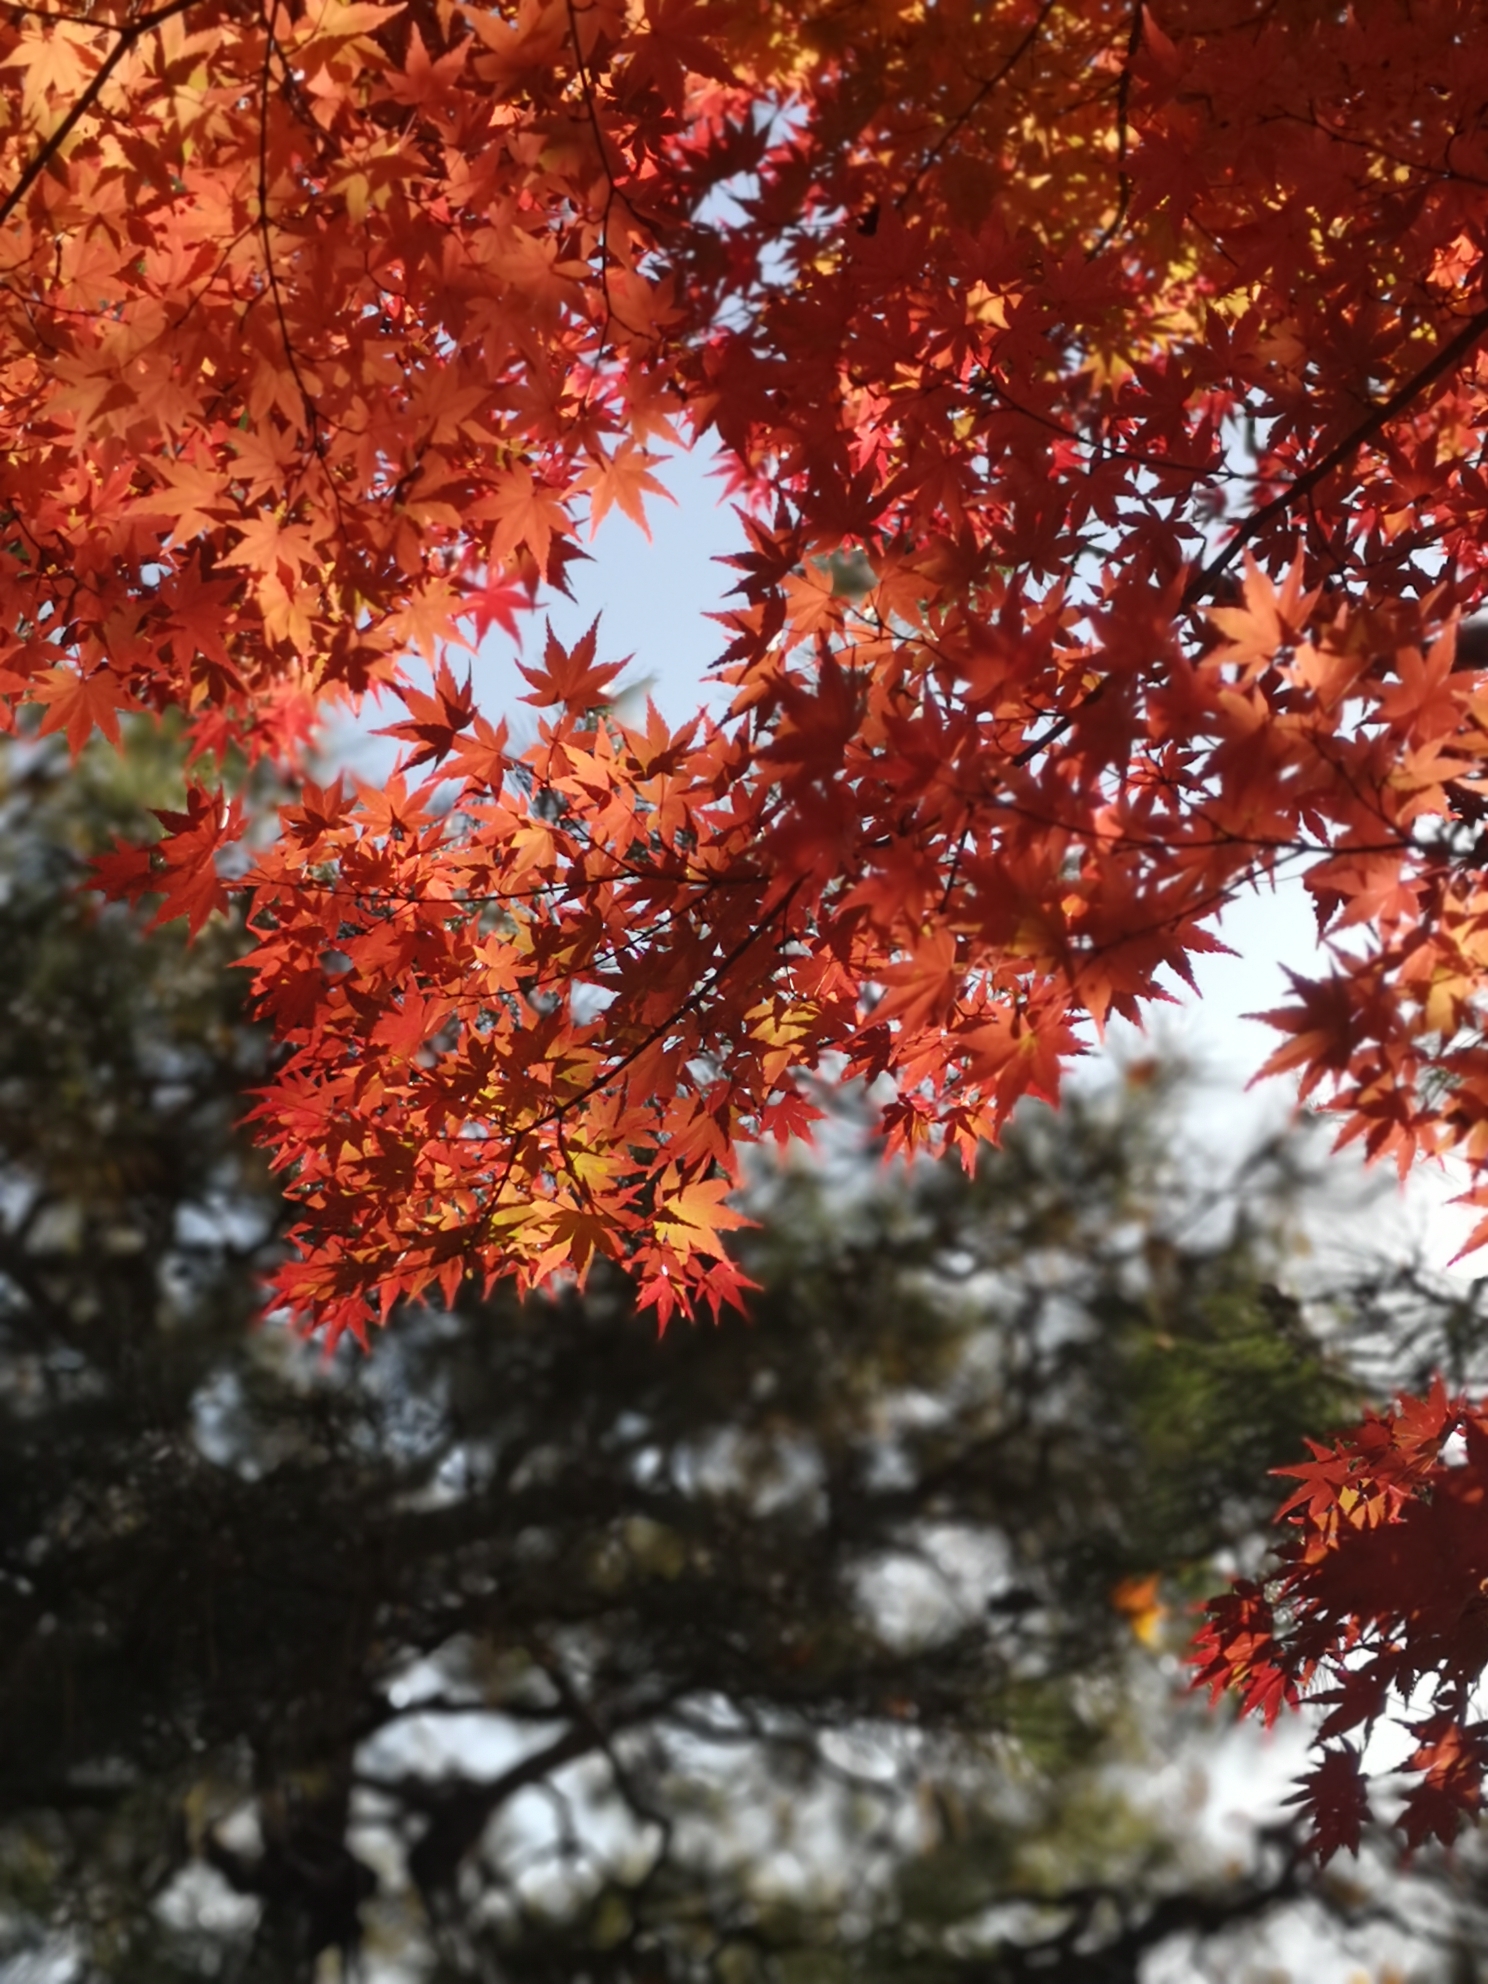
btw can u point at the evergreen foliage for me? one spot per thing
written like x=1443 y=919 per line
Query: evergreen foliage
x=831 y=1646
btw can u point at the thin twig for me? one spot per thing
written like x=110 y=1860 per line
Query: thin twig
x=1203 y=582
x=983 y=92
x=612 y=194
x=52 y=145
x=1379 y=416
x=1123 y=102
x=312 y=411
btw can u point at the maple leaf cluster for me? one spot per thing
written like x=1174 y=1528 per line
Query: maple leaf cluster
x=417 y=291
x=1102 y=387
x=1379 y=1599
x=318 y=321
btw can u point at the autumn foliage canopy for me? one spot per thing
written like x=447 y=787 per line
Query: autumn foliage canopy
x=1103 y=389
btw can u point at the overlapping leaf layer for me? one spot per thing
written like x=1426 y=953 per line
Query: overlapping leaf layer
x=1381 y=1598
x=1104 y=391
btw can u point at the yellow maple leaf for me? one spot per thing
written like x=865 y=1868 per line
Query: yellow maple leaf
x=690 y=1221
x=62 y=61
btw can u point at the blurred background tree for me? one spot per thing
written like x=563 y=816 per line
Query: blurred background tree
x=842 y=1644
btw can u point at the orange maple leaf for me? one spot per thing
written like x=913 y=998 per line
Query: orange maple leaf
x=690 y=1220
x=525 y=511
x=623 y=478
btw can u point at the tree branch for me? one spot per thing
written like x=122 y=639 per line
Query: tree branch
x=1379 y=415
x=52 y=145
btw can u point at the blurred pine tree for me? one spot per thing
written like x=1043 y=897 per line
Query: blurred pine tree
x=834 y=1646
